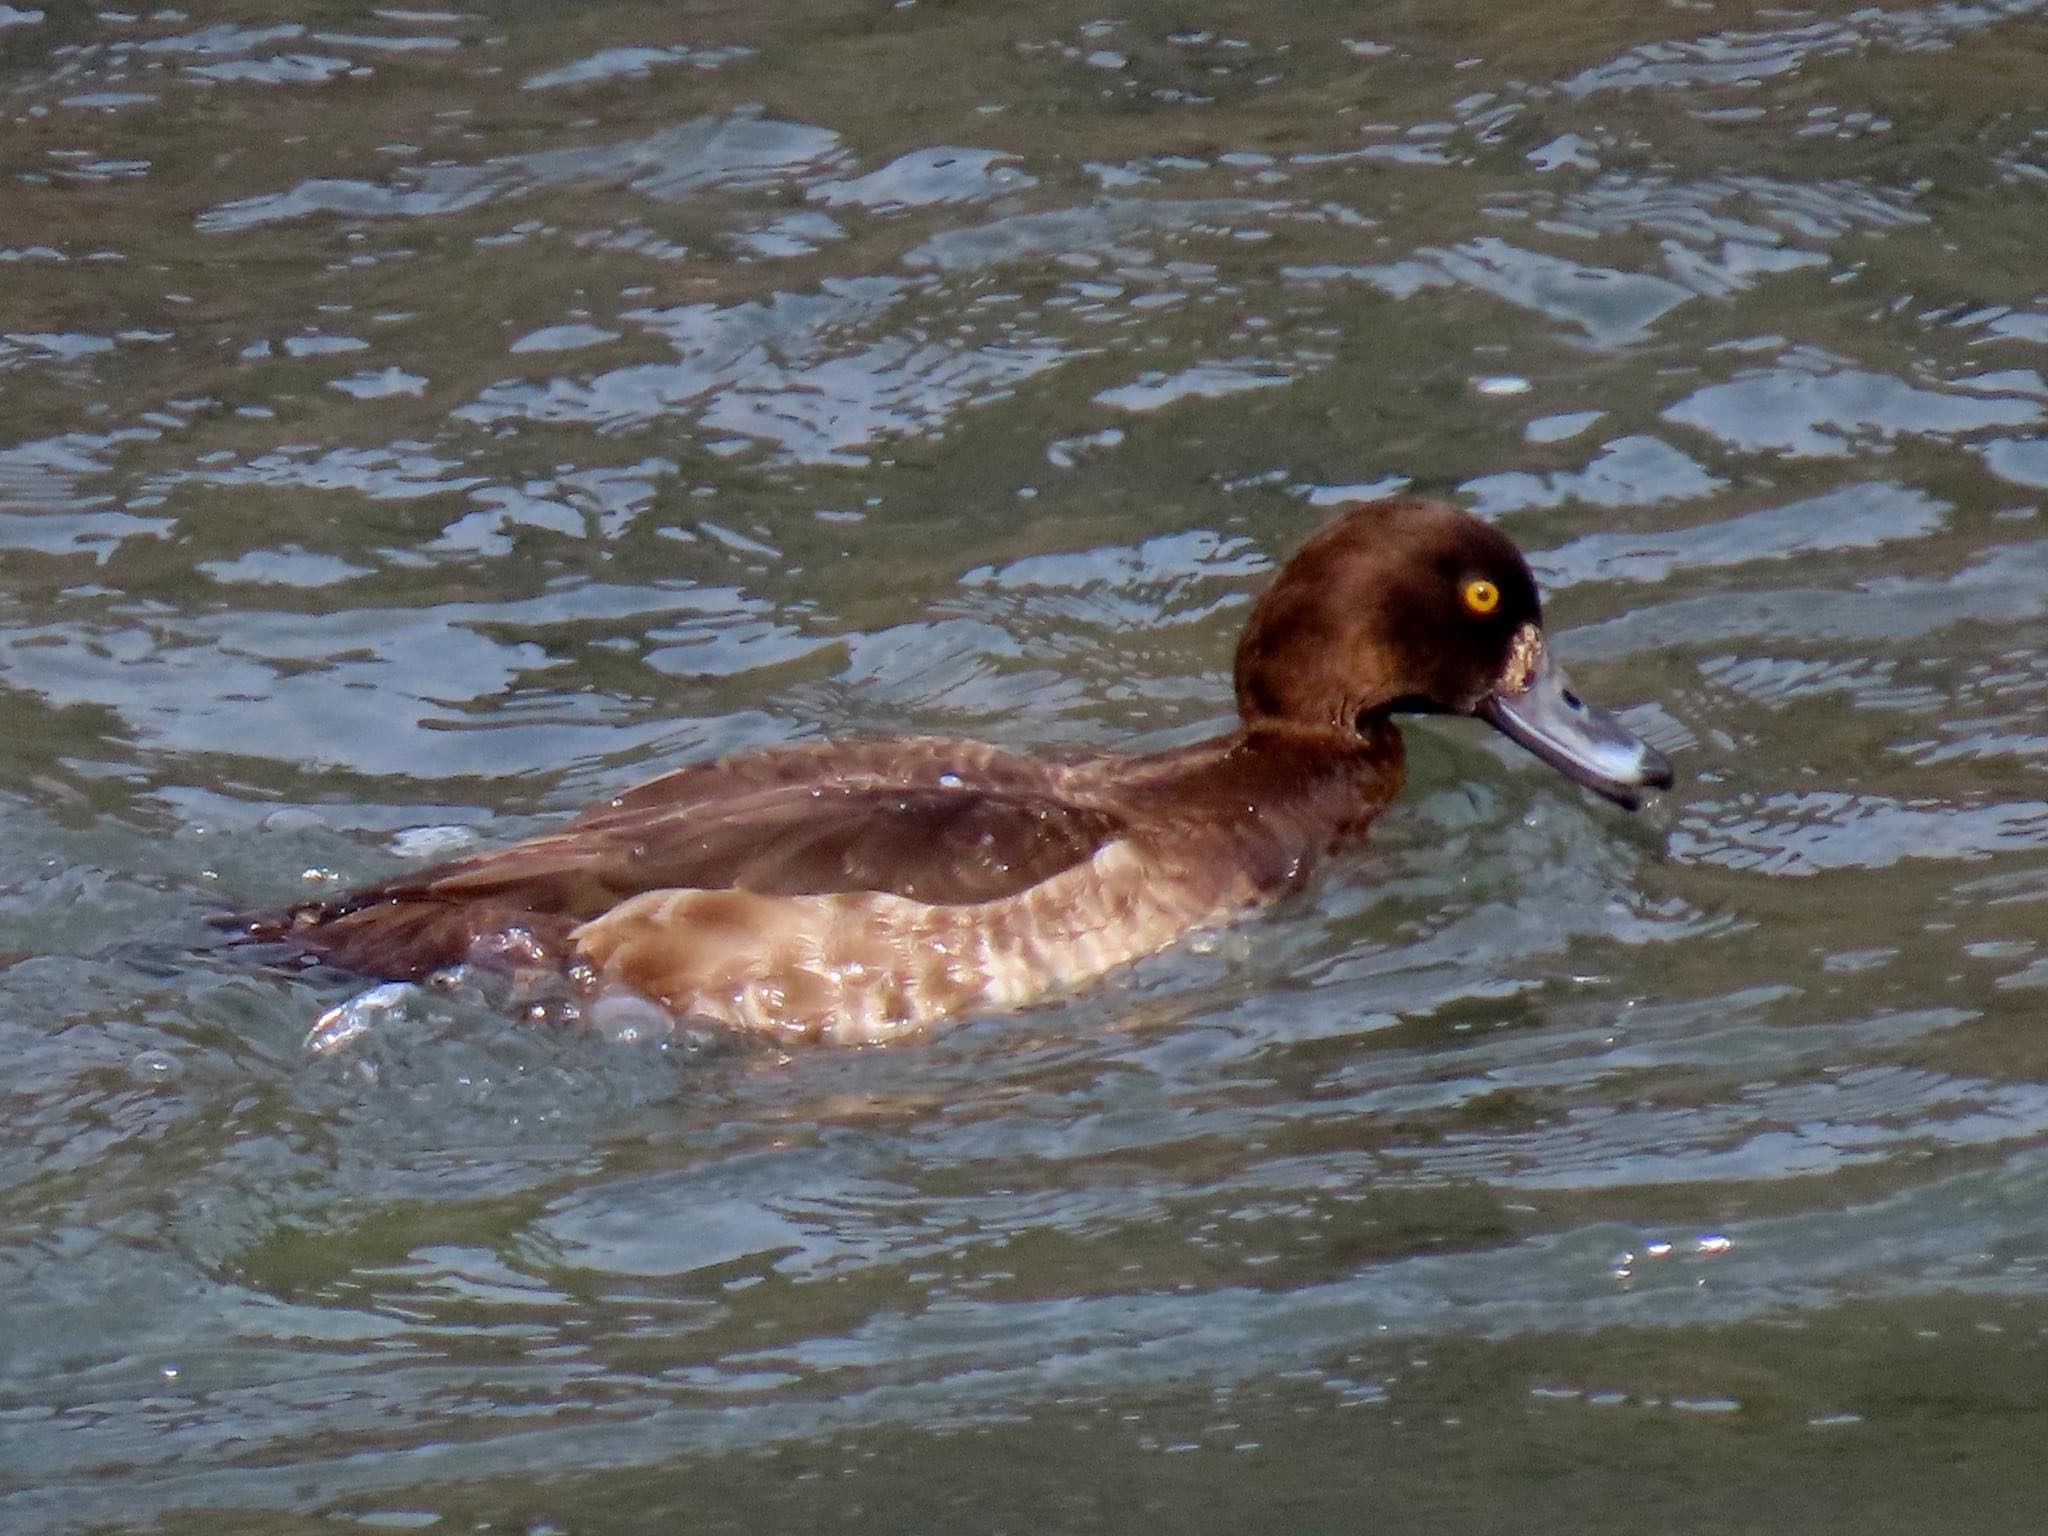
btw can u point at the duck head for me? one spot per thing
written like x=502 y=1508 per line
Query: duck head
x=1415 y=606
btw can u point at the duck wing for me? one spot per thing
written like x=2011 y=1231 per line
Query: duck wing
x=765 y=823
x=944 y=846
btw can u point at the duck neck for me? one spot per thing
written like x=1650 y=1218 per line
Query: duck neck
x=1269 y=799
x=1308 y=792
x=1275 y=764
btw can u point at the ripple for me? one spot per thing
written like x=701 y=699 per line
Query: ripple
x=1804 y=409
x=962 y=666
x=742 y=153
x=629 y=63
x=378 y=694
x=381 y=384
x=1778 y=682
x=44 y=508
x=1629 y=472
x=1170 y=564
x=290 y=566
x=1993 y=711
x=2023 y=461
x=2003 y=324
x=1730 y=1037
x=1821 y=831
x=1854 y=517
x=437 y=192
x=1095 y=227
x=389 y=43
x=1748 y=57
x=225 y=39
x=62 y=346
x=1212 y=381
x=44 y=476
x=732 y=637
x=1611 y=306
x=278 y=69
x=1720 y=235
x=780 y=373
x=377 y=474
x=1781 y=1131
x=793 y=234
x=927 y=178
x=665 y=1225
x=562 y=338
x=955 y=1357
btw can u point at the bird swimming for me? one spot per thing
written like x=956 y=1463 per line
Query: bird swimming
x=860 y=891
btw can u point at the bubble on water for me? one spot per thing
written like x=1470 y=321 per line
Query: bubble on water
x=625 y=1018
x=348 y=1021
x=431 y=842
x=155 y=1066
x=293 y=818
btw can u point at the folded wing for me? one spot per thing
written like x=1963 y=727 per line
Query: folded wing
x=942 y=845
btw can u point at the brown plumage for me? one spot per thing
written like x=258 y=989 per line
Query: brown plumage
x=857 y=890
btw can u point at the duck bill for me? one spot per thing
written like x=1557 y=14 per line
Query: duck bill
x=1585 y=744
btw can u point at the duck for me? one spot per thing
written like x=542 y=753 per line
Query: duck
x=859 y=892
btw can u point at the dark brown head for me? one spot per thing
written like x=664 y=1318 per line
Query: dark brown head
x=1414 y=605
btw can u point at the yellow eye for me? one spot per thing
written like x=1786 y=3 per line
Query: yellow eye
x=1481 y=595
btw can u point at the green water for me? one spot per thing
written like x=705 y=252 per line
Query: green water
x=416 y=423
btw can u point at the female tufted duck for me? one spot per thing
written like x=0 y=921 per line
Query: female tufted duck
x=857 y=891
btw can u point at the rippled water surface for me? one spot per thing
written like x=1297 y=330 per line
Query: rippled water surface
x=415 y=423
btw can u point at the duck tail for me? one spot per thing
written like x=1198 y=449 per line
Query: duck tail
x=401 y=940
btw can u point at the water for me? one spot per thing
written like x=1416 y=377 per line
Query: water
x=419 y=423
